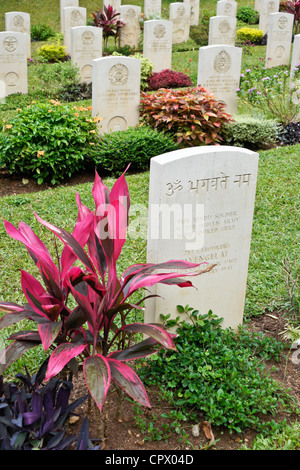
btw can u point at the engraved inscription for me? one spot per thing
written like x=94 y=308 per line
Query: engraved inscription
x=209 y=184
x=11 y=79
x=222 y=62
x=117 y=123
x=118 y=74
x=10 y=43
x=19 y=21
x=159 y=31
x=224 y=27
x=87 y=38
x=282 y=22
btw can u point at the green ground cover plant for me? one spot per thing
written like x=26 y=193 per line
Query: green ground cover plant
x=218 y=373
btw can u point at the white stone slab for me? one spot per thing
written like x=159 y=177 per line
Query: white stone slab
x=201 y=203
x=266 y=8
x=180 y=16
x=194 y=11
x=13 y=62
x=279 y=43
x=295 y=54
x=219 y=72
x=157 y=43
x=19 y=22
x=86 y=45
x=152 y=9
x=222 y=30
x=72 y=17
x=130 y=34
x=65 y=4
x=226 y=8
x=116 y=92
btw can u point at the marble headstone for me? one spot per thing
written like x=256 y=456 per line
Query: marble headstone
x=19 y=22
x=157 y=43
x=219 y=72
x=201 y=203
x=279 y=43
x=116 y=92
x=13 y=62
x=86 y=45
x=130 y=33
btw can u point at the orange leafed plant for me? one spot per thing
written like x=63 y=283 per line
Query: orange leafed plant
x=193 y=116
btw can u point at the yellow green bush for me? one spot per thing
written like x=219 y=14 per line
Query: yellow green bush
x=249 y=34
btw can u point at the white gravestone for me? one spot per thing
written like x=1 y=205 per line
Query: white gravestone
x=180 y=17
x=226 y=8
x=130 y=33
x=279 y=42
x=72 y=17
x=295 y=61
x=222 y=30
x=86 y=45
x=157 y=43
x=13 y=62
x=201 y=203
x=116 y=92
x=2 y=92
x=194 y=11
x=65 y=4
x=266 y=8
x=219 y=72
x=19 y=22
x=152 y=9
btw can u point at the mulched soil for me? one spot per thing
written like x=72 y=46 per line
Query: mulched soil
x=122 y=433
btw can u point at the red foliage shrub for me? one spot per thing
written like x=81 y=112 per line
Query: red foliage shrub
x=192 y=116
x=168 y=79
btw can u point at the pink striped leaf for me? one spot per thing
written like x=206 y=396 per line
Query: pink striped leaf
x=154 y=331
x=61 y=356
x=70 y=241
x=97 y=376
x=129 y=381
x=143 y=348
x=13 y=352
x=49 y=332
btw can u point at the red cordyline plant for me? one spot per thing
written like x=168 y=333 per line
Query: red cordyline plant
x=89 y=332
x=108 y=19
x=293 y=7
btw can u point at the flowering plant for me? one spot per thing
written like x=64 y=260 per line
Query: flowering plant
x=96 y=329
x=293 y=7
x=272 y=91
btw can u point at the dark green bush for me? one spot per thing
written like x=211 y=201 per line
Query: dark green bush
x=199 y=33
x=48 y=141
x=135 y=145
x=218 y=372
x=41 y=32
x=247 y=14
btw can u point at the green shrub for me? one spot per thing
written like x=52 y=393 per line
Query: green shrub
x=251 y=133
x=48 y=142
x=135 y=145
x=247 y=14
x=199 y=33
x=41 y=32
x=52 y=52
x=249 y=34
x=218 y=372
